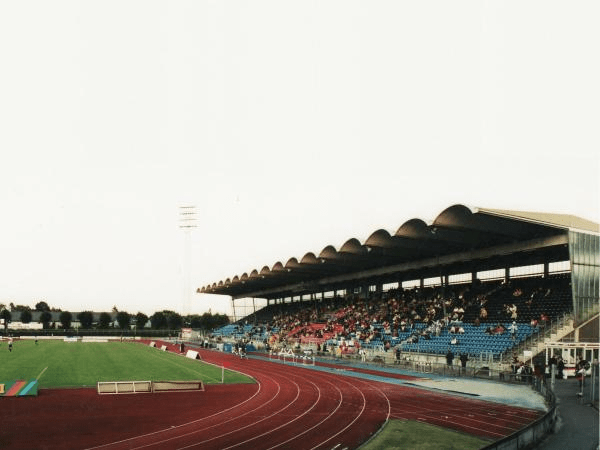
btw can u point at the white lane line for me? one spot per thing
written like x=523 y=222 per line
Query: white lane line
x=286 y=423
x=236 y=418
x=364 y=405
x=141 y=436
x=331 y=413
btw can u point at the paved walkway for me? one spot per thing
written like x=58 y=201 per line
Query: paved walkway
x=578 y=423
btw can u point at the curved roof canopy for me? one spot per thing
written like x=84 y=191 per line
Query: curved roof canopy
x=460 y=238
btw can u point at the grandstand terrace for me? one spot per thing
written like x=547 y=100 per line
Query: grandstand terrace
x=460 y=282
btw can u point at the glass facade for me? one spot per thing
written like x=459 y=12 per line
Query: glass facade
x=584 y=253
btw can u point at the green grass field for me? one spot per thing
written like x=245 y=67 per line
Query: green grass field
x=78 y=364
x=402 y=434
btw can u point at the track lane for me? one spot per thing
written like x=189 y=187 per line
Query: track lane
x=291 y=406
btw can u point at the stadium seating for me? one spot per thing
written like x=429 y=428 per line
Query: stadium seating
x=328 y=320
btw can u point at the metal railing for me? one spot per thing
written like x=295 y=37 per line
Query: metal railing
x=538 y=338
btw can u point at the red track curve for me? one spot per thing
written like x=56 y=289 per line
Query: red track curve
x=288 y=408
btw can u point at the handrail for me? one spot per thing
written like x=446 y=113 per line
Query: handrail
x=536 y=338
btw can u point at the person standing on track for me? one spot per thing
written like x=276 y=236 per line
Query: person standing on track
x=463 y=362
x=363 y=355
x=449 y=358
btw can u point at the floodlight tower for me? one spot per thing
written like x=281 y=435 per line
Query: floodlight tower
x=187 y=222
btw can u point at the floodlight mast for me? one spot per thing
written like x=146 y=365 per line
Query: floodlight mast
x=187 y=222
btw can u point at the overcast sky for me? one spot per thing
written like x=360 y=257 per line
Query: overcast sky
x=291 y=125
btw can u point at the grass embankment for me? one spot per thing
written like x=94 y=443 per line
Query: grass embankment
x=83 y=364
x=411 y=435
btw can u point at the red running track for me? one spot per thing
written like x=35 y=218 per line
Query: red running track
x=288 y=408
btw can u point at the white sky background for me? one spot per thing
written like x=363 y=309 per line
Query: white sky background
x=290 y=124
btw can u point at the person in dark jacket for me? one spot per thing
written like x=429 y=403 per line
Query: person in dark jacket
x=449 y=358
x=463 y=361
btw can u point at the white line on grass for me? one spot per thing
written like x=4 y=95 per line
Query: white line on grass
x=174 y=362
x=40 y=375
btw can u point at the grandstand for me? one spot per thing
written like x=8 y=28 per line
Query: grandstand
x=472 y=270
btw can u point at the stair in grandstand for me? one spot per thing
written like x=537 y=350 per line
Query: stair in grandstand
x=558 y=329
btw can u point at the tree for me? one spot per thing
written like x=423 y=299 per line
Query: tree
x=158 y=320
x=6 y=316
x=210 y=321
x=195 y=321
x=19 y=308
x=207 y=321
x=124 y=319
x=65 y=319
x=25 y=316
x=42 y=306
x=86 y=318
x=104 y=320
x=141 y=320
x=45 y=319
x=174 y=320
x=221 y=320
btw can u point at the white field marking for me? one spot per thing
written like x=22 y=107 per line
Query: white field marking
x=456 y=412
x=364 y=405
x=270 y=431
x=40 y=375
x=477 y=403
x=330 y=414
x=500 y=408
x=460 y=412
x=196 y=431
x=246 y=426
x=174 y=362
x=480 y=409
x=428 y=421
x=284 y=424
x=333 y=412
x=204 y=418
x=220 y=367
x=425 y=411
x=187 y=423
x=360 y=414
x=508 y=418
x=475 y=428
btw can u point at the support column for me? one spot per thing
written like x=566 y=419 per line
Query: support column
x=233 y=309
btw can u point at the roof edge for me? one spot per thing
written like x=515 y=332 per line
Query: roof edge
x=563 y=221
